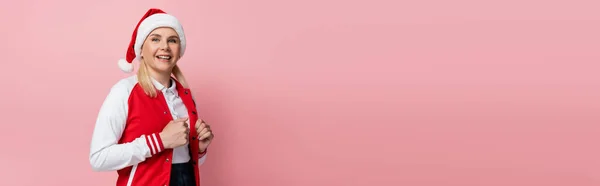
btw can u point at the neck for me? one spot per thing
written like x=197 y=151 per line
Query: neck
x=163 y=78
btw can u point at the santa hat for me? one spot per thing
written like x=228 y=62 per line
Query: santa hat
x=153 y=19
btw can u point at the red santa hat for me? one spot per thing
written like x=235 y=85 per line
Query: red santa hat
x=154 y=18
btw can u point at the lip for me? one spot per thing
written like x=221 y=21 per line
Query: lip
x=162 y=59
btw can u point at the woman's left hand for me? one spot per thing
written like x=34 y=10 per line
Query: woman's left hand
x=205 y=135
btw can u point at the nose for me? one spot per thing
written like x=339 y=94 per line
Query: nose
x=164 y=45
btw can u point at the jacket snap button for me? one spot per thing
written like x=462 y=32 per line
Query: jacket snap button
x=194 y=112
x=165 y=112
x=186 y=92
x=167 y=159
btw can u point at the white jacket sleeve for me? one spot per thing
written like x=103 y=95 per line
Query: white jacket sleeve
x=105 y=152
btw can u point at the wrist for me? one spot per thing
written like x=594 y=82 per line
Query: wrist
x=201 y=152
x=163 y=140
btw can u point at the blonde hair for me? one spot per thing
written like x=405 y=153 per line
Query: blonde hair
x=145 y=80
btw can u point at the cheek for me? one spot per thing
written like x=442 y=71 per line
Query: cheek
x=175 y=48
x=149 y=50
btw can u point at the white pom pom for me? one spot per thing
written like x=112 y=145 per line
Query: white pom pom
x=125 y=66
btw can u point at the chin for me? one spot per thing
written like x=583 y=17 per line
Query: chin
x=163 y=67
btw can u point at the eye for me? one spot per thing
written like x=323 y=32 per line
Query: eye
x=155 y=39
x=173 y=40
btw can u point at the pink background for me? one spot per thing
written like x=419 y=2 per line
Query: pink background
x=323 y=92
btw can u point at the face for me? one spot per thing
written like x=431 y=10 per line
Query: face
x=160 y=50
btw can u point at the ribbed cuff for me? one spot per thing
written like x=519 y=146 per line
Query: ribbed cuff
x=154 y=143
x=201 y=154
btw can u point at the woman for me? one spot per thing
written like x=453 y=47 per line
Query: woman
x=144 y=127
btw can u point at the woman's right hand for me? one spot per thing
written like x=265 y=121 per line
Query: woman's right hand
x=175 y=134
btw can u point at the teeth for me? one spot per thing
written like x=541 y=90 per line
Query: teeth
x=164 y=57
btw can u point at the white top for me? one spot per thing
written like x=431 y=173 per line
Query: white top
x=105 y=152
x=178 y=110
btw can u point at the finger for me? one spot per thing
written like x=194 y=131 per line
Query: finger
x=201 y=126
x=198 y=123
x=205 y=135
x=201 y=132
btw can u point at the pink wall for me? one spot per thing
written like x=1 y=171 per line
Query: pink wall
x=324 y=92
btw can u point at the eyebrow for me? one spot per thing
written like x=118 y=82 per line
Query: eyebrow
x=158 y=35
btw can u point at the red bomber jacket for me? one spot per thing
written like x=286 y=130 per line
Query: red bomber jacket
x=126 y=140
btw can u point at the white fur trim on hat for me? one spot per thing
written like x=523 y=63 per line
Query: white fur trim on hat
x=125 y=66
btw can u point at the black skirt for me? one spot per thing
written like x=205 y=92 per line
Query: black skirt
x=182 y=174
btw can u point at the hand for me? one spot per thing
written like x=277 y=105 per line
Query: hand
x=175 y=134
x=205 y=135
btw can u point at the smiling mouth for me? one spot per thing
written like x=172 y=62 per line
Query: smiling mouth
x=164 y=57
